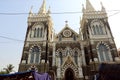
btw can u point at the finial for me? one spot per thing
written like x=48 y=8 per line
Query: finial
x=82 y=5
x=43 y=7
x=89 y=6
x=83 y=9
x=49 y=10
x=66 y=25
x=103 y=9
x=66 y=21
x=101 y=3
x=31 y=9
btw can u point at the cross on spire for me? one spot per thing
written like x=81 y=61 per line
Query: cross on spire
x=66 y=21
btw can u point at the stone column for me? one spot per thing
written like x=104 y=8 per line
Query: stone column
x=83 y=54
x=58 y=72
x=80 y=72
x=79 y=62
x=53 y=60
x=32 y=33
x=34 y=58
x=29 y=56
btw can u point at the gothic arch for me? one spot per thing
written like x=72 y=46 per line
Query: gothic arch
x=38 y=29
x=78 y=50
x=97 y=27
x=101 y=42
x=103 y=52
x=67 y=66
x=69 y=74
x=96 y=20
x=35 y=56
x=42 y=25
x=33 y=46
x=68 y=50
x=59 y=50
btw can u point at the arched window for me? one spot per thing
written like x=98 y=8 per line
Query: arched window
x=94 y=30
x=41 y=32
x=101 y=30
x=35 y=55
x=74 y=37
x=35 y=32
x=38 y=32
x=97 y=29
x=60 y=37
x=61 y=59
x=76 y=57
x=103 y=53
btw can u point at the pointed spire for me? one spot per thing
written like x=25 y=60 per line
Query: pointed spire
x=49 y=10
x=31 y=10
x=103 y=8
x=83 y=9
x=30 y=13
x=89 y=6
x=43 y=7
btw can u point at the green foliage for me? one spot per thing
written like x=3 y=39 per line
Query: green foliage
x=7 y=70
x=3 y=72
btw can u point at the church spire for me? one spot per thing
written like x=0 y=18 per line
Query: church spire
x=103 y=8
x=43 y=7
x=89 y=6
x=30 y=12
x=49 y=10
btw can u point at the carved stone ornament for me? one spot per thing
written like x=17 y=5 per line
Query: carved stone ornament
x=67 y=33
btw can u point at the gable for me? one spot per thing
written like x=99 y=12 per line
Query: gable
x=67 y=32
x=69 y=60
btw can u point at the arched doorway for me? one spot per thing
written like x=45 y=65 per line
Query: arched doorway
x=69 y=74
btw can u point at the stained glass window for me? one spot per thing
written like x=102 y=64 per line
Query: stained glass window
x=35 y=55
x=103 y=53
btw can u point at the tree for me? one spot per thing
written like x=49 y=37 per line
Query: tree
x=3 y=72
x=9 y=68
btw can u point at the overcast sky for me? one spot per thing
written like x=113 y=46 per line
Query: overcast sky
x=13 y=27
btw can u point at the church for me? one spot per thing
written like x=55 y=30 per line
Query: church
x=68 y=55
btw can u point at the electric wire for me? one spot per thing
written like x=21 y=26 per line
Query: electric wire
x=12 y=13
x=13 y=39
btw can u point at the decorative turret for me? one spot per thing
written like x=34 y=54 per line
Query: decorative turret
x=49 y=10
x=83 y=9
x=30 y=12
x=43 y=8
x=102 y=8
x=90 y=13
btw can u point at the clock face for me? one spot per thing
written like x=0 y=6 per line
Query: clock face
x=67 y=33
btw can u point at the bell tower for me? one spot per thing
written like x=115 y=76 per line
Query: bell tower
x=38 y=37
x=96 y=33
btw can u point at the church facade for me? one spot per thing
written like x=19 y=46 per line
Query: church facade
x=68 y=55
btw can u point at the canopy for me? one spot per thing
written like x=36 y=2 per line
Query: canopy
x=28 y=75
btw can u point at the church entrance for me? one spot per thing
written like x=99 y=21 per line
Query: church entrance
x=69 y=74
